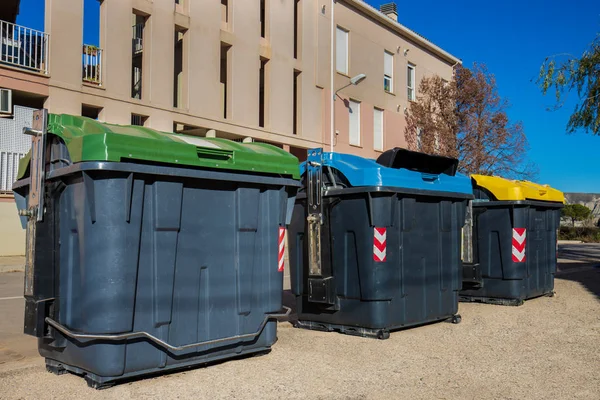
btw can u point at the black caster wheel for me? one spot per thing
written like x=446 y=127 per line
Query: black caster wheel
x=456 y=319
x=551 y=294
x=383 y=334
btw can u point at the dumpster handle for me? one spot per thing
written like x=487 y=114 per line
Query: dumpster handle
x=134 y=335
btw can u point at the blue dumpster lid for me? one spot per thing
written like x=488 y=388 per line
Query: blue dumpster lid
x=362 y=172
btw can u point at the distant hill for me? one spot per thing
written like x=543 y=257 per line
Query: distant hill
x=590 y=200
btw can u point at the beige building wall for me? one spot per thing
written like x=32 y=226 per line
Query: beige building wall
x=201 y=88
x=12 y=235
x=204 y=33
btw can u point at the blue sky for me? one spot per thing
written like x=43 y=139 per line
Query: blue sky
x=512 y=37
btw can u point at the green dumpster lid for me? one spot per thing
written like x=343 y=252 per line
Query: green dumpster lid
x=90 y=140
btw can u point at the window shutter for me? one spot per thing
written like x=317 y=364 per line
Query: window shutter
x=354 y=114
x=377 y=129
x=388 y=64
x=341 y=50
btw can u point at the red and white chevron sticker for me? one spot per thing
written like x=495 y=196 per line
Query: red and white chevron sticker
x=379 y=244
x=519 y=240
x=280 y=259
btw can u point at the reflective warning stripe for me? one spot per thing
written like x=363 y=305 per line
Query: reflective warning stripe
x=519 y=242
x=280 y=259
x=379 y=244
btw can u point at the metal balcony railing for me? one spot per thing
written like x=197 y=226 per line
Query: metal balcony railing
x=137 y=42
x=9 y=167
x=92 y=64
x=24 y=47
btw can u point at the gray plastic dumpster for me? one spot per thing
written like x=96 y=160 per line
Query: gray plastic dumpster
x=375 y=245
x=149 y=251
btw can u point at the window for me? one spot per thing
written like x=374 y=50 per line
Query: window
x=377 y=129
x=90 y=111
x=137 y=59
x=341 y=51
x=388 y=72
x=296 y=103
x=139 y=120
x=263 y=20
x=224 y=11
x=410 y=82
x=262 y=84
x=179 y=81
x=354 y=112
x=297 y=20
x=224 y=75
x=5 y=101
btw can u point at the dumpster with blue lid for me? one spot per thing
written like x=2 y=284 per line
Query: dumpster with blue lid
x=375 y=244
x=513 y=241
x=149 y=251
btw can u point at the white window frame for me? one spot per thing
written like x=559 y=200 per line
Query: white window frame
x=7 y=109
x=346 y=63
x=354 y=110
x=388 y=77
x=378 y=137
x=411 y=92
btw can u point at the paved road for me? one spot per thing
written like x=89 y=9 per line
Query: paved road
x=13 y=344
x=588 y=252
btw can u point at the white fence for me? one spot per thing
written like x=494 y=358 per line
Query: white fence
x=24 y=47
x=9 y=168
x=92 y=64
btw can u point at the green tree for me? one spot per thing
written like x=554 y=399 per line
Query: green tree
x=576 y=74
x=576 y=212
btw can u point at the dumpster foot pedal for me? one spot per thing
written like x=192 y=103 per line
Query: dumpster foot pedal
x=491 y=300
x=348 y=330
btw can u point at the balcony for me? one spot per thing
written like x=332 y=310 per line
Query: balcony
x=92 y=65
x=24 y=48
x=137 y=42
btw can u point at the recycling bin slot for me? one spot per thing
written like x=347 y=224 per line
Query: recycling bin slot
x=398 y=158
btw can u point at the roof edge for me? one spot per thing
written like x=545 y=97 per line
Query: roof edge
x=403 y=30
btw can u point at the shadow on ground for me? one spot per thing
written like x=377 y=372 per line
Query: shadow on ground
x=589 y=278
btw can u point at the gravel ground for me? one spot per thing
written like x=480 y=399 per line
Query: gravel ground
x=548 y=348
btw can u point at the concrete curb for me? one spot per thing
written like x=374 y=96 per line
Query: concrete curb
x=11 y=268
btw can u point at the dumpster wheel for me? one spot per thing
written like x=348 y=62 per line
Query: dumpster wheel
x=383 y=334
x=456 y=319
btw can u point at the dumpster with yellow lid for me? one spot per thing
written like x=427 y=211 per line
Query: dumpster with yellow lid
x=513 y=241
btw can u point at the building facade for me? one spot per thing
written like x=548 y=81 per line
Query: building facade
x=237 y=69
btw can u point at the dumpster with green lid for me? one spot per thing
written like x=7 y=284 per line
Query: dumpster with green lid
x=513 y=241
x=150 y=251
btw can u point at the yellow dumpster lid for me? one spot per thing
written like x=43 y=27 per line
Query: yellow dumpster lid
x=513 y=190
